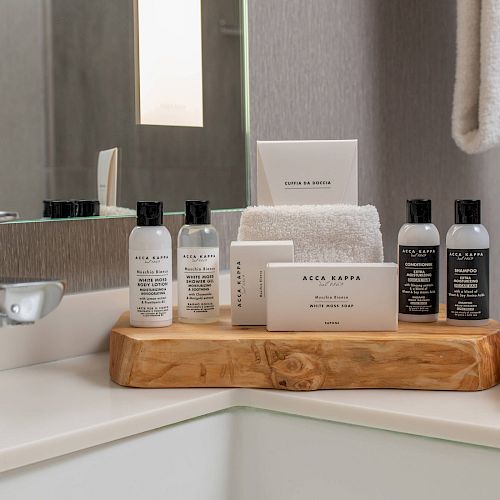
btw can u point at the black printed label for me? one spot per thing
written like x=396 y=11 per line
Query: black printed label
x=418 y=279
x=468 y=284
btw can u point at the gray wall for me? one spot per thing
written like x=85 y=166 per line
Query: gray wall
x=381 y=71
x=22 y=106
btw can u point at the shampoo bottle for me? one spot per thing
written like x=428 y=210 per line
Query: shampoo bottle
x=150 y=268
x=418 y=258
x=198 y=266
x=467 y=245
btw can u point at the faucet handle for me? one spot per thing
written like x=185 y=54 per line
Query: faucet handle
x=27 y=301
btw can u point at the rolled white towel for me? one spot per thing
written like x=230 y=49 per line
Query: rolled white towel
x=320 y=233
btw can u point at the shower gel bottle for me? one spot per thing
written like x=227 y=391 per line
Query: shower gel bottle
x=418 y=259
x=150 y=268
x=198 y=266
x=467 y=245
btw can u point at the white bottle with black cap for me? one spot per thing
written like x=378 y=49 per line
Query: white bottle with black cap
x=150 y=268
x=467 y=245
x=418 y=258
x=198 y=266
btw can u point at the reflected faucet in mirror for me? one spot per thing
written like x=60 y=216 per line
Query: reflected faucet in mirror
x=24 y=301
x=8 y=216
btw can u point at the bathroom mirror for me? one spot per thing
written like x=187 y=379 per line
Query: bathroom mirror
x=161 y=80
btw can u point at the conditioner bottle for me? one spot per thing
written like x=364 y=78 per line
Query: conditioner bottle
x=467 y=245
x=150 y=268
x=198 y=266
x=418 y=258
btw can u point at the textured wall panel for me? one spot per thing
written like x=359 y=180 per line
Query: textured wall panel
x=87 y=254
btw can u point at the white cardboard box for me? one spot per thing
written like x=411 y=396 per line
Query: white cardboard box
x=307 y=172
x=248 y=262
x=332 y=297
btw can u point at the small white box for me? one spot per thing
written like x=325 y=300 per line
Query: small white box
x=332 y=297
x=248 y=266
x=307 y=172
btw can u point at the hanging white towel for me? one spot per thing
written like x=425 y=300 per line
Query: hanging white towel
x=476 y=102
x=320 y=233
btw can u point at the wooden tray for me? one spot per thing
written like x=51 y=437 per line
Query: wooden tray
x=418 y=356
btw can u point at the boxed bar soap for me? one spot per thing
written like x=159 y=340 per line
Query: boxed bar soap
x=332 y=297
x=248 y=262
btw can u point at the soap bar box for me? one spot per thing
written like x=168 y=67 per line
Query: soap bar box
x=332 y=297
x=248 y=261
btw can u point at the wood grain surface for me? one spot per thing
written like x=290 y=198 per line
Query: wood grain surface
x=419 y=356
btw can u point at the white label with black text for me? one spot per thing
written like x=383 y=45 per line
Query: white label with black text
x=198 y=282
x=150 y=274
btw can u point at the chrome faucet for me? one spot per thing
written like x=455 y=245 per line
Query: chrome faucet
x=24 y=302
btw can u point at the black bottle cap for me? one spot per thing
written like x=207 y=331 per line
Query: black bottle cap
x=62 y=209
x=87 y=208
x=418 y=211
x=149 y=213
x=47 y=209
x=197 y=212
x=467 y=211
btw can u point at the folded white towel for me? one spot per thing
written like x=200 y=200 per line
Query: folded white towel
x=320 y=233
x=476 y=102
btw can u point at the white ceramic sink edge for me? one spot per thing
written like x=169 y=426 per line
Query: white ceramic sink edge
x=79 y=326
x=52 y=409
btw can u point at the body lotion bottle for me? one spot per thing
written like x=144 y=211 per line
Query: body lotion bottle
x=418 y=259
x=198 y=266
x=150 y=268
x=467 y=245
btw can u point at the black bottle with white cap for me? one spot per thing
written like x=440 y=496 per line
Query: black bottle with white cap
x=468 y=248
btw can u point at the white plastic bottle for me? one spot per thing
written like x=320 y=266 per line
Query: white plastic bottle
x=418 y=258
x=198 y=266
x=467 y=245
x=150 y=268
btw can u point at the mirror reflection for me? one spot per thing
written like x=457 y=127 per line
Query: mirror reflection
x=117 y=101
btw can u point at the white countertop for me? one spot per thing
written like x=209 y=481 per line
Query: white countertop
x=51 y=409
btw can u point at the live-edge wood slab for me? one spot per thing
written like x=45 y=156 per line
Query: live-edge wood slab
x=418 y=356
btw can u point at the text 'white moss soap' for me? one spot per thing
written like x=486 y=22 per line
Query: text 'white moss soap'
x=307 y=297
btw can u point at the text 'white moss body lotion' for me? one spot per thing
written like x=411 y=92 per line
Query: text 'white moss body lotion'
x=150 y=268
